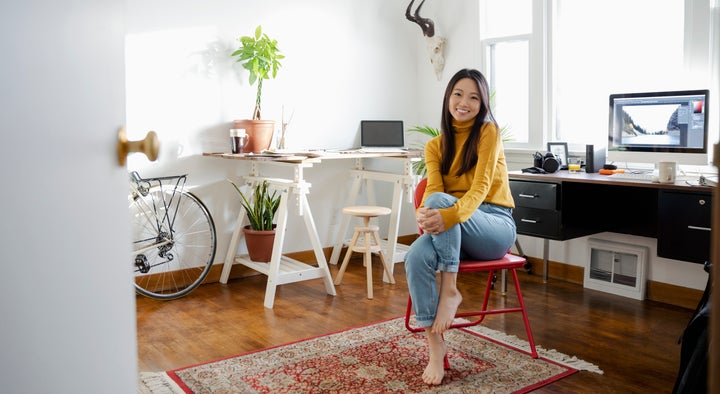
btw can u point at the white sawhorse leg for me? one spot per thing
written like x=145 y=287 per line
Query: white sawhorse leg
x=282 y=269
x=275 y=275
x=232 y=249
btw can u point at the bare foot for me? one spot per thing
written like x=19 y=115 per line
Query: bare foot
x=447 y=307
x=435 y=370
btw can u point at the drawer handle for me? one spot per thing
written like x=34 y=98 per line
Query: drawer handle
x=699 y=228
x=528 y=195
x=528 y=221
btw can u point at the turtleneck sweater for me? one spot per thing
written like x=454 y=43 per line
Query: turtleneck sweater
x=486 y=182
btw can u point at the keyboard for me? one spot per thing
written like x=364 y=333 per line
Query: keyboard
x=637 y=176
x=382 y=150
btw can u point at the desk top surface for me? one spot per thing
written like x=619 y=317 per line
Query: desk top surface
x=312 y=156
x=686 y=183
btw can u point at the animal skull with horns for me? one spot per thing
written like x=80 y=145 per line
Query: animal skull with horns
x=435 y=45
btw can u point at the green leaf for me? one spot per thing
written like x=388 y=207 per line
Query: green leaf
x=427 y=130
x=260 y=56
x=261 y=207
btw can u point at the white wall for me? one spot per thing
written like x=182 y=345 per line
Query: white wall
x=345 y=61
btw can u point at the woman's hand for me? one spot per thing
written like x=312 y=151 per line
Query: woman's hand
x=430 y=221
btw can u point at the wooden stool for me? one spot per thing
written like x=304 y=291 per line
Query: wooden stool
x=367 y=248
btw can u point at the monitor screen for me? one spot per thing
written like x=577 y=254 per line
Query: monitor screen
x=659 y=126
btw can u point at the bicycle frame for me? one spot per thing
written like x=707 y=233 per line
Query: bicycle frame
x=162 y=223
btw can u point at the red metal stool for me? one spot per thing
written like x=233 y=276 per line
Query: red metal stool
x=508 y=262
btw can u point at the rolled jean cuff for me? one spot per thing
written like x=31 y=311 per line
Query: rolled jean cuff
x=424 y=321
x=452 y=267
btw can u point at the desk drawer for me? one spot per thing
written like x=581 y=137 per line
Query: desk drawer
x=684 y=226
x=538 y=195
x=537 y=222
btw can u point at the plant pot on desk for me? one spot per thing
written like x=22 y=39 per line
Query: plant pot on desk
x=259 y=243
x=259 y=131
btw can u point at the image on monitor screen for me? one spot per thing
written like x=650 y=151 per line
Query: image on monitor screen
x=659 y=122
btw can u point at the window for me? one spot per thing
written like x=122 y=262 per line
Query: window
x=553 y=63
x=612 y=46
x=506 y=27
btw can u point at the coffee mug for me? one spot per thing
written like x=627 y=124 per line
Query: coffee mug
x=666 y=171
x=238 y=140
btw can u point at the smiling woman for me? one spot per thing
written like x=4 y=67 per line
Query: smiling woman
x=466 y=209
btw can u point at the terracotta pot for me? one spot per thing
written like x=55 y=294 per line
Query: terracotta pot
x=259 y=131
x=259 y=243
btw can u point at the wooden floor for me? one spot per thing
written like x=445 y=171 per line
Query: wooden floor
x=634 y=342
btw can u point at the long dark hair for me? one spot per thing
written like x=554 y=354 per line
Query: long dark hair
x=448 y=135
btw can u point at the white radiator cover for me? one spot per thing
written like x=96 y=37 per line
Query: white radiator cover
x=617 y=268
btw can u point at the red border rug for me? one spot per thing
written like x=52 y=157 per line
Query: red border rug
x=378 y=358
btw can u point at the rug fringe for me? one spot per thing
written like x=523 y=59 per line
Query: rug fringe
x=157 y=383
x=552 y=354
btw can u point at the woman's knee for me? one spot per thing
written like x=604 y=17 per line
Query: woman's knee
x=420 y=256
x=439 y=200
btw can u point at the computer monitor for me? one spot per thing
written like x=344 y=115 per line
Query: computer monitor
x=659 y=126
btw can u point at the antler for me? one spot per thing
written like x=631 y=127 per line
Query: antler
x=427 y=25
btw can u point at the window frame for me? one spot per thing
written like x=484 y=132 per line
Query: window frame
x=543 y=112
x=538 y=81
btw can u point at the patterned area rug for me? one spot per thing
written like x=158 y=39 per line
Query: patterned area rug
x=379 y=358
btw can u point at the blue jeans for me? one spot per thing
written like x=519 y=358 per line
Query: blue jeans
x=487 y=235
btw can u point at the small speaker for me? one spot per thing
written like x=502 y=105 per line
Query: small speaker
x=594 y=158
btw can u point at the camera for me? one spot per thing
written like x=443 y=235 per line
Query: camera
x=548 y=162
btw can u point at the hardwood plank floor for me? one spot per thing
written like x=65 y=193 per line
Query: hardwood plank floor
x=634 y=342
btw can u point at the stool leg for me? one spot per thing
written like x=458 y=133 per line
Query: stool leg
x=368 y=265
x=366 y=223
x=383 y=260
x=348 y=253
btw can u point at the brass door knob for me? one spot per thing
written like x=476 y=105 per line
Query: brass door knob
x=149 y=146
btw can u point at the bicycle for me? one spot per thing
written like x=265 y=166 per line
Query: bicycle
x=173 y=237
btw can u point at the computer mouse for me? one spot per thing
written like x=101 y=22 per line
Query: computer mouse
x=609 y=167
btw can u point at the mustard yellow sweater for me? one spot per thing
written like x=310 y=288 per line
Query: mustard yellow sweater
x=486 y=182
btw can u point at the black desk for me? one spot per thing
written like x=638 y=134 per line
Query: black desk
x=566 y=205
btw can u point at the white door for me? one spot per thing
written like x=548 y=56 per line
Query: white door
x=67 y=315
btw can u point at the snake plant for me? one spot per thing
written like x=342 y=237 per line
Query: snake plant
x=260 y=207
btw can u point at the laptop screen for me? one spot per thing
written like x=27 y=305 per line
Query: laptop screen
x=382 y=133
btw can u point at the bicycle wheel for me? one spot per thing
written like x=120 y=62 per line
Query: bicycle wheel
x=173 y=242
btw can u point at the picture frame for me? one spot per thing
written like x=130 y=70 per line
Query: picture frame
x=560 y=150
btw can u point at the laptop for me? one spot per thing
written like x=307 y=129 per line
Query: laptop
x=381 y=136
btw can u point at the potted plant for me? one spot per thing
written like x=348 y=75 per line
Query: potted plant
x=432 y=132
x=260 y=210
x=260 y=55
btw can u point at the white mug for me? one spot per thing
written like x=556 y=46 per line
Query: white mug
x=666 y=171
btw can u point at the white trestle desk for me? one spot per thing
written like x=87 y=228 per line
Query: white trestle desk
x=282 y=269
